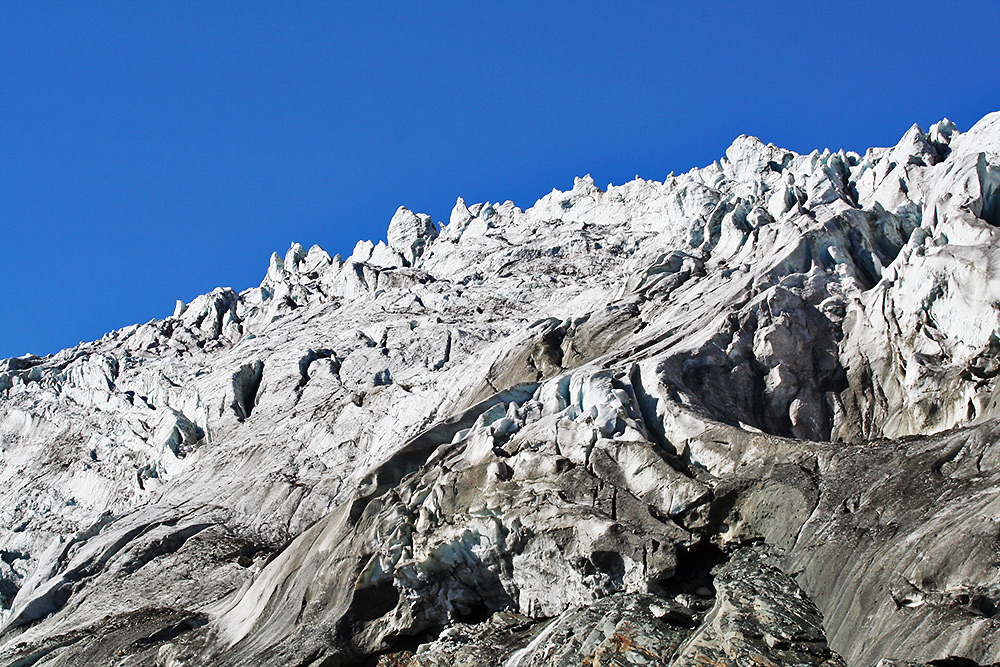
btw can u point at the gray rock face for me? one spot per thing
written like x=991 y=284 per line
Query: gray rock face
x=746 y=415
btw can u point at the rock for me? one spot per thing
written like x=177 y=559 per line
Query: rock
x=760 y=616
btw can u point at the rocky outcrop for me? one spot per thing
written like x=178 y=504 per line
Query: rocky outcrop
x=746 y=415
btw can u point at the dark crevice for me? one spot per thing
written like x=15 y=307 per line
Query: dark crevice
x=477 y=613
x=10 y=555
x=608 y=563
x=406 y=644
x=192 y=622
x=654 y=428
x=306 y=361
x=693 y=573
x=446 y=357
x=245 y=554
x=371 y=602
x=985 y=605
x=246 y=383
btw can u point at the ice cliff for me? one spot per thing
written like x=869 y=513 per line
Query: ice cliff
x=746 y=415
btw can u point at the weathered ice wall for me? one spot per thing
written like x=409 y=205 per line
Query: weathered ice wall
x=746 y=415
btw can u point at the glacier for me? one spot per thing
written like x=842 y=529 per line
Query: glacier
x=745 y=415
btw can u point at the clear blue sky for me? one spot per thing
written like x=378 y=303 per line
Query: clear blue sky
x=153 y=151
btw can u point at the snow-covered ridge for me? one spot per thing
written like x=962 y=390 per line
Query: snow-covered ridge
x=426 y=418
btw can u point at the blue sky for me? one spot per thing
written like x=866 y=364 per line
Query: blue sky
x=154 y=151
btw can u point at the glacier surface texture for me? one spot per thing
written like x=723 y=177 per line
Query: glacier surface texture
x=744 y=416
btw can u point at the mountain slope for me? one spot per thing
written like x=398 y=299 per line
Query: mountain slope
x=745 y=414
